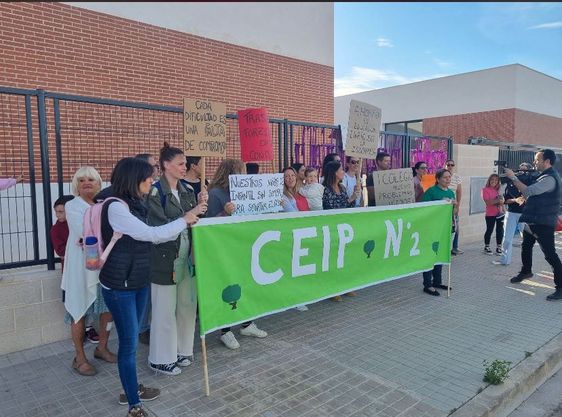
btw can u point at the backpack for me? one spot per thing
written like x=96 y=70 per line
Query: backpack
x=96 y=253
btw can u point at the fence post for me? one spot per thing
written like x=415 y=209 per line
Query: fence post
x=286 y=142
x=58 y=145
x=450 y=148
x=32 y=188
x=280 y=145
x=45 y=176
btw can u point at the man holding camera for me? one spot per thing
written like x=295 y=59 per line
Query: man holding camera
x=542 y=204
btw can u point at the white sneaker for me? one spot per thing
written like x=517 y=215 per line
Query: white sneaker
x=301 y=308
x=498 y=263
x=229 y=340
x=252 y=330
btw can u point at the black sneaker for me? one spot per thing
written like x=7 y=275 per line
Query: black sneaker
x=487 y=250
x=499 y=251
x=520 y=277
x=166 y=369
x=556 y=295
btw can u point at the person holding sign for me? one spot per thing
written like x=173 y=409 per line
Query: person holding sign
x=335 y=196
x=193 y=174
x=292 y=200
x=418 y=171
x=383 y=163
x=440 y=191
x=173 y=290
x=220 y=205
x=350 y=178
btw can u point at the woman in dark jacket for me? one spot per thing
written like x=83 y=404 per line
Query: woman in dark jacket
x=125 y=275
x=173 y=289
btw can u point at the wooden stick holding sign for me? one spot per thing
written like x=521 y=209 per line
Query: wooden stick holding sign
x=204 y=134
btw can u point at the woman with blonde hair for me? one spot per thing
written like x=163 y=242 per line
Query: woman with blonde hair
x=81 y=286
x=292 y=200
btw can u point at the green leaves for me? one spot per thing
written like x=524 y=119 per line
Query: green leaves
x=369 y=247
x=231 y=295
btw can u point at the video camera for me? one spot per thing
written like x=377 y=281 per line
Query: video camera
x=526 y=177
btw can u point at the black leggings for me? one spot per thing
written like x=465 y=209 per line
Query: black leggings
x=490 y=222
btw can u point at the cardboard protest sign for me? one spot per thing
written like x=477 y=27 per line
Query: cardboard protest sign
x=256 y=143
x=363 y=130
x=272 y=262
x=204 y=128
x=394 y=186
x=256 y=194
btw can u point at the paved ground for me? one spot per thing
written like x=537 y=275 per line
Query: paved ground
x=545 y=402
x=390 y=351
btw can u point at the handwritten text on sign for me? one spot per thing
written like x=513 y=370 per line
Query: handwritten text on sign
x=204 y=128
x=256 y=143
x=363 y=130
x=394 y=186
x=256 y=194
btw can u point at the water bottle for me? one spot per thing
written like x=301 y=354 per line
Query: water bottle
x=92 y=254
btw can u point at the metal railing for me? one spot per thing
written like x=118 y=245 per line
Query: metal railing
x=47 y=136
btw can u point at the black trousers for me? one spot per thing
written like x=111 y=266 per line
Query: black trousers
x=545 y=236
x=490 y=222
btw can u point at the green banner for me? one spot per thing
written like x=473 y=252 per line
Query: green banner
x=253 y=266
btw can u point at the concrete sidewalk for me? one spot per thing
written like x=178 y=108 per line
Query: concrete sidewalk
x=390 y=351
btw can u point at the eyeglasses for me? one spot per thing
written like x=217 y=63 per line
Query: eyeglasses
x=354 y=162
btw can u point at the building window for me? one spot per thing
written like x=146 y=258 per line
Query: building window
x=412 y=128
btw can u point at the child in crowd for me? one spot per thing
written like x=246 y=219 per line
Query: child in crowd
x=59 y=231
x=312 y=190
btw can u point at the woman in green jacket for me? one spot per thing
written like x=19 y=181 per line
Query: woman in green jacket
x=173 y=289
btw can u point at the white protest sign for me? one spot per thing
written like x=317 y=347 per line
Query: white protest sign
x=256 y=194
x=394 y=186
x=363 y=128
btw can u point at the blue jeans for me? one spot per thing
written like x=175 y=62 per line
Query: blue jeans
x=510 y=226
x=127 y=307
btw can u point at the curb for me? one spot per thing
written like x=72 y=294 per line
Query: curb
x=523 y=380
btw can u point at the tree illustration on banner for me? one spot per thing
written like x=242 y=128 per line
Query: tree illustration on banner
x=231 y=295
x=256 y=143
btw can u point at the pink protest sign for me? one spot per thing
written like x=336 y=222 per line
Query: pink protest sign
x=256 y=143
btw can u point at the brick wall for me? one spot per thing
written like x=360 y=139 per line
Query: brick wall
x=495 y=125
x=537 y=128
x=61 y=48
x=508 y=125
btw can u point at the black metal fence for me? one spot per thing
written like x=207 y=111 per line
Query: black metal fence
x=47 y=136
